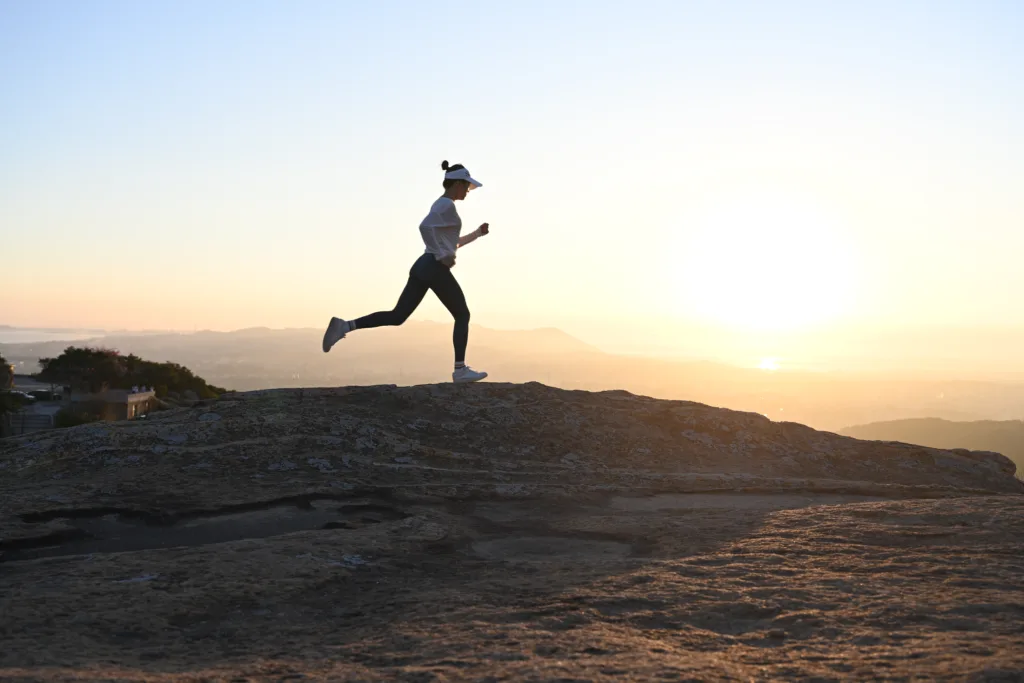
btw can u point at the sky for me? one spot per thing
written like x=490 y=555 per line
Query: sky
x=751 y=168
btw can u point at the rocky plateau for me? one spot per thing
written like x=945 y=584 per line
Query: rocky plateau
x=501 y=532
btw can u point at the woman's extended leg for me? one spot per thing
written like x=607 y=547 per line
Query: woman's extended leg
x=412 y=295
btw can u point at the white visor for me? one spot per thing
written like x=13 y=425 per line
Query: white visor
x=463 y=174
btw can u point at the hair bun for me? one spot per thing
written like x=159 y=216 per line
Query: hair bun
x=444 y=165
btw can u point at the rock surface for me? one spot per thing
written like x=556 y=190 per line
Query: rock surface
x=511 y=532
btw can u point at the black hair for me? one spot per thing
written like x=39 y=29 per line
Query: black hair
x=445 y=167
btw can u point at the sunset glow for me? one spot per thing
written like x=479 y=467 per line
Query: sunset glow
x=765 y=262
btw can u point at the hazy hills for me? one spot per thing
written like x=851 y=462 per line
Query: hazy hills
x=1006 y=437
x=420 y=352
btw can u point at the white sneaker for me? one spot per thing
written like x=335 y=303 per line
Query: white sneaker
x=467 y=374
x=336 y=331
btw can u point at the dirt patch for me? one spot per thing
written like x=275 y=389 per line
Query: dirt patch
x=550 y=548
x=733 y=501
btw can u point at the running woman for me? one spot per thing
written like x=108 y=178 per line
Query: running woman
x=433 y=270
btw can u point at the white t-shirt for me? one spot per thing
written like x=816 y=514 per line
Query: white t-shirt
x=441 y=228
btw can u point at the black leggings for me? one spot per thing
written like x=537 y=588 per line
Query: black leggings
x=427 y=273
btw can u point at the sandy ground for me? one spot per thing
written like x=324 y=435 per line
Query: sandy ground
x=587 y=582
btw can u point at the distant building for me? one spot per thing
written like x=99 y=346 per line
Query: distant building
x=108 y=405
x=114 y=404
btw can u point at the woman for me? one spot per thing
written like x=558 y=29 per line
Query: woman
x=441 y=234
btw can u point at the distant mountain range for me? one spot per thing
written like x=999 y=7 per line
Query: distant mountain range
x=54 y=330
x=421 y=352
x=1001 y=436
x=15 y=335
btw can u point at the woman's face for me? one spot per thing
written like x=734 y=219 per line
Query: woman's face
x=459 y=190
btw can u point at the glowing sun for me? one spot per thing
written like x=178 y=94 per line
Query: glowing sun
x=764 y=263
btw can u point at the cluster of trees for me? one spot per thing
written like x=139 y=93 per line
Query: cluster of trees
x=95 y=370
x=6 y=376
x=9 y=403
